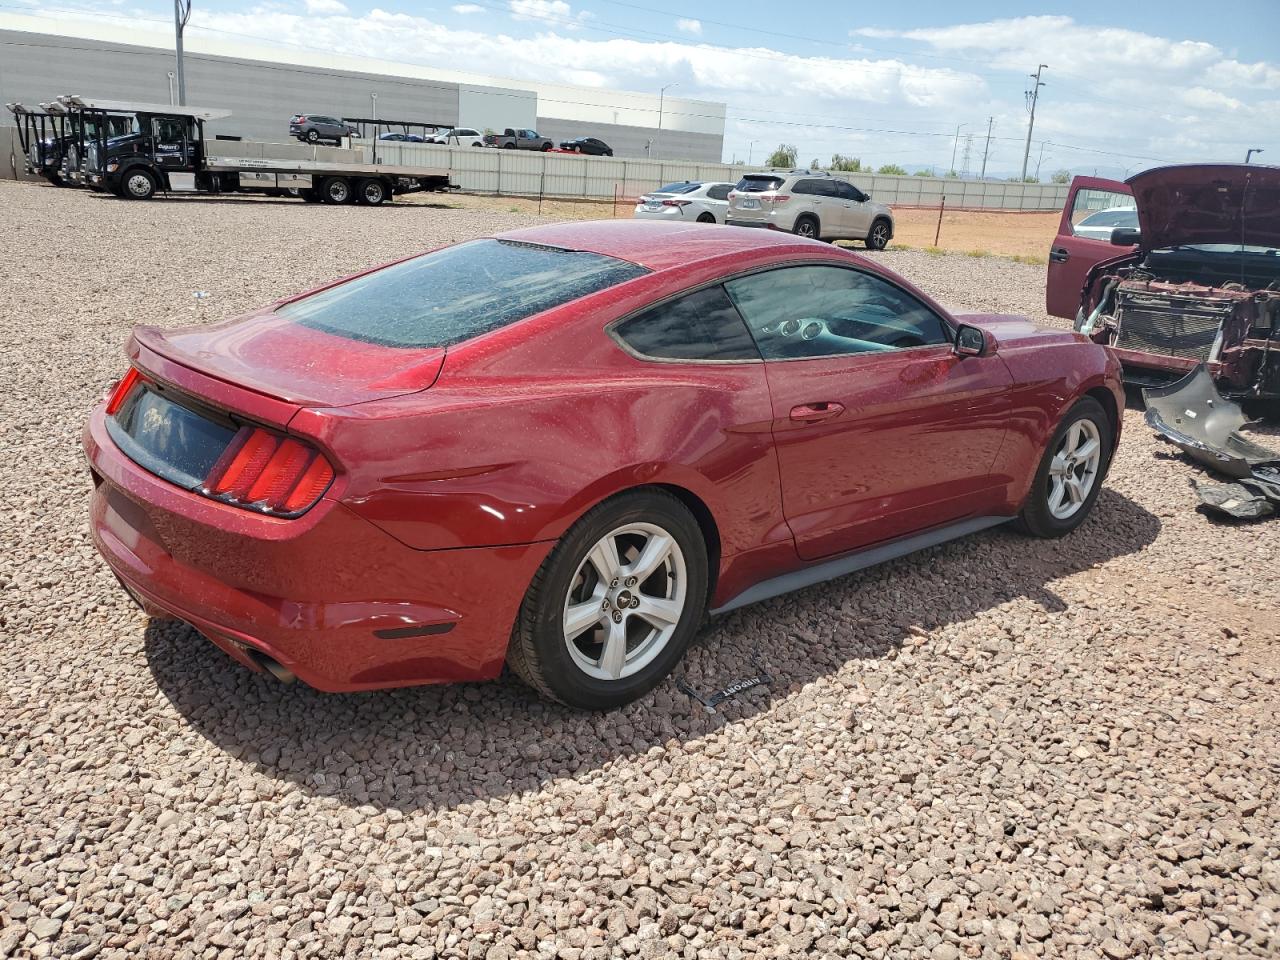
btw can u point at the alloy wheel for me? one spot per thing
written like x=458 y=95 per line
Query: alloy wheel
x=879 y=236
x=625 y=601
x=1074 y=469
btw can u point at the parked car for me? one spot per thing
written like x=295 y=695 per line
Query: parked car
x=312 y=128
x=401 y=137
x=589 y=145
x=511 y=139
x=1196 y=282
x=322 y=495
x=813 y=205
x=690 y=200
x=1099 y=226
x=460 y=137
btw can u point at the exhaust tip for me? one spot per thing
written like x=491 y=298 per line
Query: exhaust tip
x=274 y=667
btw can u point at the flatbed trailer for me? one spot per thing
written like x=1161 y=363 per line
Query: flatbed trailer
x=166 y=151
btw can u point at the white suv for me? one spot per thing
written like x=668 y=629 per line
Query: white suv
x=809 y=204
x=459 y=137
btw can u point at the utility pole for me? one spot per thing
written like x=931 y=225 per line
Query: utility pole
x=181 y=14
x=951 y=169
x=964 y=157
x=987 y=149
x=657 y=145
x=1032 y=97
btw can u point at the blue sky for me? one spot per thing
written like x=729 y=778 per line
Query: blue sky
x=1129 y=85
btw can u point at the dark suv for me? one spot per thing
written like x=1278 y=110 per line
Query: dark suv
x=312 y=128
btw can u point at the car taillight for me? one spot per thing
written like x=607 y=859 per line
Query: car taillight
x=733 y=194
x=121 y=390
x=676 y=203
x=264 y=471
x=779 y=199
x=300 y=119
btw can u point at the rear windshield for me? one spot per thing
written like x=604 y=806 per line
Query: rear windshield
x=761 y=184
x=460 y=292
x=678 y=188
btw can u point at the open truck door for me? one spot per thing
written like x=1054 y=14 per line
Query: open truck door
x=1083 y=239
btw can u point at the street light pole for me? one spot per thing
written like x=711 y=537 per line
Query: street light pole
x=657 y=143
x=750 y=149
x=181 y=14
x=956 y=143
x=1032 y=97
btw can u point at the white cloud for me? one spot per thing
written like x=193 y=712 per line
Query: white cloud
x=689 y=26
x=326 y=7
x=466 y=9
x=1109 y=91
x=554 y=13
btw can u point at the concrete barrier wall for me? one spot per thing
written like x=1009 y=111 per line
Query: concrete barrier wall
x=525 y=173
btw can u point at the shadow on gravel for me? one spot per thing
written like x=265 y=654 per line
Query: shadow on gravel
x=262 y=201
x=438 y=747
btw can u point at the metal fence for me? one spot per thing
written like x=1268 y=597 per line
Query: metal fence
x=528 y=174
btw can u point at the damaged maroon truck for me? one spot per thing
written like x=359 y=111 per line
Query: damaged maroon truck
x=1197 y=282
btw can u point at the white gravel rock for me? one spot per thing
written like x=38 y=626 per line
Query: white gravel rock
x=1001 y=747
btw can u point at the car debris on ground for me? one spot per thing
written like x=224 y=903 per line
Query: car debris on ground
x=1193 y=416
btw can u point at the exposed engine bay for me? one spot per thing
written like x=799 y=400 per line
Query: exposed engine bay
x=1177 y=307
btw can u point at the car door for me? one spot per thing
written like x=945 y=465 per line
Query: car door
x=855 y=212
x=172 y=143
x=717 y=200
x=881 y=430
x=1072 y=255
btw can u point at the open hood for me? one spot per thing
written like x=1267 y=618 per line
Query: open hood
x=1208 y=203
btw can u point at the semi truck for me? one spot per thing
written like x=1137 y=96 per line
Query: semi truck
x=136 y=150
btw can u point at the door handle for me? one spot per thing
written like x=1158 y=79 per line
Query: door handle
x=814 y=412
x=1059 y=254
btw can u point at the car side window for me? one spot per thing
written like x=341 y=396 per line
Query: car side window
x=846 y=191
x=1090 y=201
x=698 y=326
x=719 y=192
x=818 y=311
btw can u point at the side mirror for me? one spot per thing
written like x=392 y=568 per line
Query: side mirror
x=973 y=342
x=1126 y=236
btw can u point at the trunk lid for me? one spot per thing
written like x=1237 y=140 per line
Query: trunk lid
x=1208 y=203
x=277 y=357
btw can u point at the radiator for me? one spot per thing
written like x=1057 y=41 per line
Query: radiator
x=1171 y=325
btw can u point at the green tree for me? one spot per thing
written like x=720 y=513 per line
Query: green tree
x=815 y=164
x=952 y=175
x=924 y=173
x=892 y=170
x=1061 y=176
x=784 y=156
x=846 y=164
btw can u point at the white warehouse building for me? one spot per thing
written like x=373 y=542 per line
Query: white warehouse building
x=263 y=86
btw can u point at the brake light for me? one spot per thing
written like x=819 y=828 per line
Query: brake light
x=264 y=471
x=676 y=203
x=779 y=199
x=733 y=194
x=121 y=390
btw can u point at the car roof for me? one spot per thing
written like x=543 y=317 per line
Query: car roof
x=659 y=246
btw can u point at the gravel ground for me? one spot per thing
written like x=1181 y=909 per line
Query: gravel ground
x=1001 y=747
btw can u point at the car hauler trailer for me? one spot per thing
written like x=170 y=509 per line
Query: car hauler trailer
x=165 y=149
x=53 y=138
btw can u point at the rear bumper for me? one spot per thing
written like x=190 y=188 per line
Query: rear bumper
x=339 y=603
x=763 y=224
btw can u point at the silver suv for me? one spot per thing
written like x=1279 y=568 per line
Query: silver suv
x=810 y=204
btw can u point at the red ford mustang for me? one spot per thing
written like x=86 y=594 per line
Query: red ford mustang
x=560 y=447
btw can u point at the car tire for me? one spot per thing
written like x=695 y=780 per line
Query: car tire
x=706 y=218
x=1053 y=508
x=371 y=192
x=313 y=136
x=878 y=238
x=138 y=184
x=584 y=670
x=336 y=190
x=806 y=226
x=546 y=148
x=608 y=153
x=508 y=146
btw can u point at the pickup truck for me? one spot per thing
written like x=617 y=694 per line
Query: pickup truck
x=518 y=140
